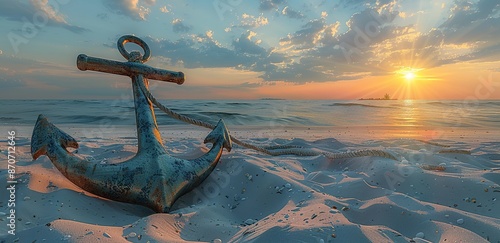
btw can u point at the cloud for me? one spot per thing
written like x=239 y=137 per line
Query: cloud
x=486 y=31
x=179 y=27
x=1 y=52
x=250 y=21
x=466 y=13
x=309 y=54
x=15 y=10
x=368 y=3
x=103 y=16
x=311 y=34
x=245 y=45
x=367 y=28
x=473 y=23
x=266 y=5
x=374 y=43
x=319 y=52
x=246 y=54
x=292 y=13
x=295 y=72
x=32 y=78
x=11 y=82
x=470 y=33
x=11 y=65
x=37 y=10
x=43 y=6
x=131 y=8
x=202 y=51
x=164 y=9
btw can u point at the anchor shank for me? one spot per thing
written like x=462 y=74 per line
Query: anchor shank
x=149 y=138
x=85 y=62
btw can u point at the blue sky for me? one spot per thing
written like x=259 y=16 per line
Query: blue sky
x=252 y=49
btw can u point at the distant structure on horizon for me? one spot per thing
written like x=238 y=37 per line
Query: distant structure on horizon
x=386 y=97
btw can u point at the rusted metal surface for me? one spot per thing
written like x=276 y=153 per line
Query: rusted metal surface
x=152 y=178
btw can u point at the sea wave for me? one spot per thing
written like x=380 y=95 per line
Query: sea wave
x=492 y=103
x=262 y=112
x=220 y=113
x=5 y=119
x=91 y=119
x=434 y=103
x=356 y=104
x=238 y=104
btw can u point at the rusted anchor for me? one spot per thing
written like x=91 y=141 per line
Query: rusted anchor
x=152 y=177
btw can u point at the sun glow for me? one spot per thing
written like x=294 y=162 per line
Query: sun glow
x=408 y=74
x=405 y=80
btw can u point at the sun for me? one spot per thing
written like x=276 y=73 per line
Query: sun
x=410 y=76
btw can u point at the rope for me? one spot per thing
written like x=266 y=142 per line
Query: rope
x=454 y=151
x=434 y=143
x=270 y=150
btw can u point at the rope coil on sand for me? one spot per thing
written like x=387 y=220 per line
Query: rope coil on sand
x=277 y=150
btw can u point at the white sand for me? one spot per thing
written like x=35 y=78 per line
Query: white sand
x=253 y=197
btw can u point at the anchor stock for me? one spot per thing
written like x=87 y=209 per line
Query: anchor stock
x=134 y=66
x=85 y=62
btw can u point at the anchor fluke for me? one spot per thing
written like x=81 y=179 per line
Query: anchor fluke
x=220 y=132
x=47 y=136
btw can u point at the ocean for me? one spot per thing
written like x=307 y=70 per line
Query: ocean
x=459 y=114
x=441 y=185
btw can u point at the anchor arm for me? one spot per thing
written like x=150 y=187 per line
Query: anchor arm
x=220 y=139
x=190 y=173
x=114 y=181
x=49 y=140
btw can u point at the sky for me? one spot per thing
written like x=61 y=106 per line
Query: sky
x=235 y=49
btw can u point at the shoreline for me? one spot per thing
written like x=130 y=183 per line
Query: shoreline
x=345 y=133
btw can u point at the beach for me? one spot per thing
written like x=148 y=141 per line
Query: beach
x=231 y=121
x=443 y=187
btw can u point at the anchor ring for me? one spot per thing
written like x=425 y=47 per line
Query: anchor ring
x=130 y=38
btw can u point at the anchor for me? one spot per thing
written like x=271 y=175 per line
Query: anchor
x=151 y=178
